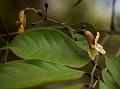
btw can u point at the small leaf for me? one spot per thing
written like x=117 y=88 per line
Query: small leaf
x=102 y=85
x=31 y=73
x=48 y=44
x=113 y=65
x=109 y=81
x=81 y=42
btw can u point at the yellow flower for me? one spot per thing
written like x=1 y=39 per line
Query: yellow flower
x=21 y=21
x=95 y=47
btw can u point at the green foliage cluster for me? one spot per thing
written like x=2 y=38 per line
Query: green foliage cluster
x=46 y=54
x=50 y=55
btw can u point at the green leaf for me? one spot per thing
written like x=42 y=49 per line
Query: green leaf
x=73 y=86
x=113 y=65
x=102 y=85
x=48 y=44
x=31 y=73
x=82 y=43
x=110 y=83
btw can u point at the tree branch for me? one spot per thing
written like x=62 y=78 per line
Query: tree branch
x=95 y=83
x=112 y=26
x=93 y=71
x=7 y=41
x=6 y=52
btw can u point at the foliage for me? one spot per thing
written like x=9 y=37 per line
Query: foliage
x=111 y=78
x=48 y=55
x=30 y=73
x=48 y=44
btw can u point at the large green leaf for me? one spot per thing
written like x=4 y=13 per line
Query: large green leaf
x=113 y=65
x=31 y=73
x=110 y=83
x=48 y=44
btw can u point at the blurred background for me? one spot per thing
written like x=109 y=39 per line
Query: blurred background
x=96 y=12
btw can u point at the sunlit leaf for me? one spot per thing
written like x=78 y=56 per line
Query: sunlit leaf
x=31 y=73
x=113 y=65
x=102 y=85
x=48 y=44
x=109 y=81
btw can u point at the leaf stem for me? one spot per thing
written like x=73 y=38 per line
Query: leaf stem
x=95 y=83
x=93 y=71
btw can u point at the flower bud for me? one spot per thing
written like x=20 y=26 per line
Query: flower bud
x=90 y=38
x=94 y=47
x=88 y=35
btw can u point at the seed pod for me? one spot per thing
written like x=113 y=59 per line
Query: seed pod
x=90 y=38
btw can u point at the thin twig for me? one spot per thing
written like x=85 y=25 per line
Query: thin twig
x=93 y=71
x=7 y=41
x=33 y=10
x=6 y=52
x=112 y=25
x=34 y=23
x=61 y=24
x=45 y=18
x=118 y=52
x=16 y=33
x=5 y=25
x=113 y=16
x=10 y=34
x=92 y=62
x=95 y=77
x=95 y=83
